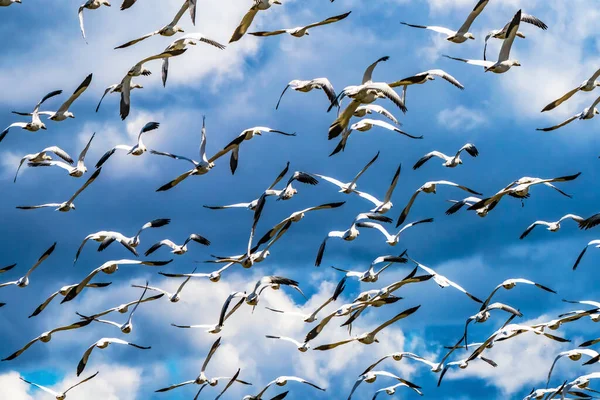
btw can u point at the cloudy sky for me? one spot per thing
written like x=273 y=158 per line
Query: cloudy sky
x=238 y=88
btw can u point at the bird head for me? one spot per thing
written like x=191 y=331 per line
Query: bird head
x=516 y=63
x=106 y=3
x=277 y=2
x=69 y=114
x=470 y=36
x=179 y=29
x=43 y=126
x=137 y=86
x=596 y=111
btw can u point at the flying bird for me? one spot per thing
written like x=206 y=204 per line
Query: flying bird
x=116 y=88
x=90 y=5
x=586 y=86
x=449 y=161
x=63 y=291
x=595 y=243
x=392 y=240
x=76 y=171
x=587 y=113
x=301 y=30
x=501 y=33
x=59 y=395
x=43 y=156
x=173 y=297
x=102 y=344
x=136 y=150
x=259 y=5
x=371 y=376
x=281 y=381
x=23 y=281
x=361 y=111
x=175 y=248
x=306 y=86
x=551 y=226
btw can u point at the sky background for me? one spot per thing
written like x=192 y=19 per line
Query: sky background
x=238 y=88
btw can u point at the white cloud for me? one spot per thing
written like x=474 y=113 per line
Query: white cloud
x=461 y=118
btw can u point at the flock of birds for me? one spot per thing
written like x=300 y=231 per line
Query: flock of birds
x=362 y=97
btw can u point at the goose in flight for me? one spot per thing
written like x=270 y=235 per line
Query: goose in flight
x=371 y=376
x=76 y=171
x=307 y=86
x=130 y=243
x=392 y=240
x=449 y=162
x=370 y=337
x=504 y=62
x=214 y=276
x=398 y=356
x=423 y=77
x=109 y=267
x=509 y=284
x=551 y=226
x=429 y=187
x=462 y=364
x=173 y=297
x=484 y=314
x=116 y=88
x=90 y=5
x=361 y=111
x=232 y=380
x=136 y=150
x=43 y=156
x=301 y=30
x=63 y=292
x=224 y=315
x=36 y=123
x=67 y=205
x=586 y=86
x=137 y=70
x=370 y=276
x=234 y=145
x=200 y=168
x=47 y=336
x=587 y=113
x=350 y=234
x=302 y=347
x=24 y=280
x=463 y=34
x=382 y=207
x=59 y=395
x=63 y=111
x=102 y=344
x=177 y=249
x=468 y=201
x=574 y=355
x=595 y=243
x=501 y=33
x=349 y=187
x=123 y=308
x=391 y=390
x=259 y=5
x=281 y=381
x=6 y=3
x=274 y=282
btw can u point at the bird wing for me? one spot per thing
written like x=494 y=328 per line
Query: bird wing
x=80 y=15
x=530 y=19
x=176 y=181
x=231 y=382
x=212 y=351
x=83 y=381
x=42 y=306
x=389 y=93
x=530 y=228
x=567 y=121
x=182 y=10
x=84 y=359
x=510 y=37
x=45 y=389
x=19 y=352
x=80 y=89
x=333 y=345
x=203 y=141
x=197 y=36
x=59 y=152
x=362 y=171
x=470 y=149
x=377 y=226
x=561 y=100
x=481 y=63
x=398 y=317
x=83 y=153
x=327 y=87
x=329 y=20
x=267 y=33
x=446 y=76
x=429 y=156
x=336 y=182
x=85 y=185
x=367 y=76
x=41 y=259
x=244 y=25
x=472 y=15
x=134 y=41
x=175 y=386
x=439 y=29
x=406 y=209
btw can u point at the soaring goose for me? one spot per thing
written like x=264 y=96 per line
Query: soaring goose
x=224 y=315
x=574 y=355
x=449 y=161
x=63 y=111
x=63 y=292
x=435 y=367
x=586 y=86
x=463 y=33
x=361 y=111
x=74 y=171
x=587 y=113
x=24 y=280
x=43 y=156
x=259 y=5
x=301 y=30
x=36 y=123
x=423 y=77
x=124 y=308
x=102 y=344
x=6 y=3
x=392 y=240
x=302 y=347
x=59 y=395
x=349 y=187
x=501 y=33
x=281 y=381
x=67 y=205
x=504 y=62
x=116 y=88
x=511 y=283
x=137 y=70
x=372 y=376
x=484 y=314
x=109 y=267
x=214 y=276
x=391 y=390
x=428 y=187
x=350 y=234
x=136 y=150
x=307 y=86
x=468 y=201
x=370 y=276
x=175 y=248
x=382 y=207
x=47 y=336
x=551 y=226
x=90 y=5
x=462 y=364
x=274 y=282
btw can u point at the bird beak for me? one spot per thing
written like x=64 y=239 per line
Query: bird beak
x=376 y=341
x=307 y=33
x=44 y=127
x=277 y=2
x=472 y=37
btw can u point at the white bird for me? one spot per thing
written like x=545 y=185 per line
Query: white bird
x=449 y=161
x=484 y=314
x=361 y=111
x=372 y=376
x=574 y=355
x=36 y=123
x=116 y=88
x=423 y=77
x=349 y=187
x=76 y=171
x=309 y=318
x=63 y=111
x=301 y=30
x=463 y=34
x=274 y=282
x=259 y=5
x=224 y=315
x=551 y=226
x=382 y=207
x=43 y=156
x=587 y=113
x=59 y=395
x=468 y=201
x=63 y=292
x=281 y=381
x=398 y=356
x=102 y=344
x=24 y=280
x=214 y=276
x=429 y=187
x=124 y=308
x=90 y=5
x=501 y=33
x=136 y=150
x=390 y=390
x=504 y=62
x=302 y=347
x=392 y=240
x=175 y=248
x=173 y=297
x=509 y=284
x=462 y=364
x=595 y=243
x=307 y=86
x=586 y=86
x=370 y=275
x=67 y=205
x=6 y=3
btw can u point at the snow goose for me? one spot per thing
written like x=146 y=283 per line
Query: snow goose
x=504 y=63
x=124 y=308
x=259 y=5
x=43 y=156
x=370 y=276
x=23 y=281
x=429 y=187
x=468 y=201
x=274 y=282
x=224 y=315
x=281 y=381
x=349 y=187
x=574 y=355
x=398 y=356
x=136 y=150
x=587 y=113
x=76 y=171
x=302 y=347
x=382 y=207
x=63 y=111
x=47 y=336
x=307 y=86
x=102 y=344
x=175 y=248
x=423 y=77
x=391 y=390
x=36 y=123
x=173 y=297
x=67 y=205
x=90 y=5
x=392 y=240
x=551 y=226
x=586 y=86
x=372 y=376
x=59 y=395
x=117 y=88
x=509 y=284
x=301 y=30
x=214 y=276
x=462 y=364
x=463 y=34
x=361 y=111
x=449 y=162
x=484 y=314
x=63 y=292
x=501 y=33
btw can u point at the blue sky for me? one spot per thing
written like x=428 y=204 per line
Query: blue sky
x=238 y=88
